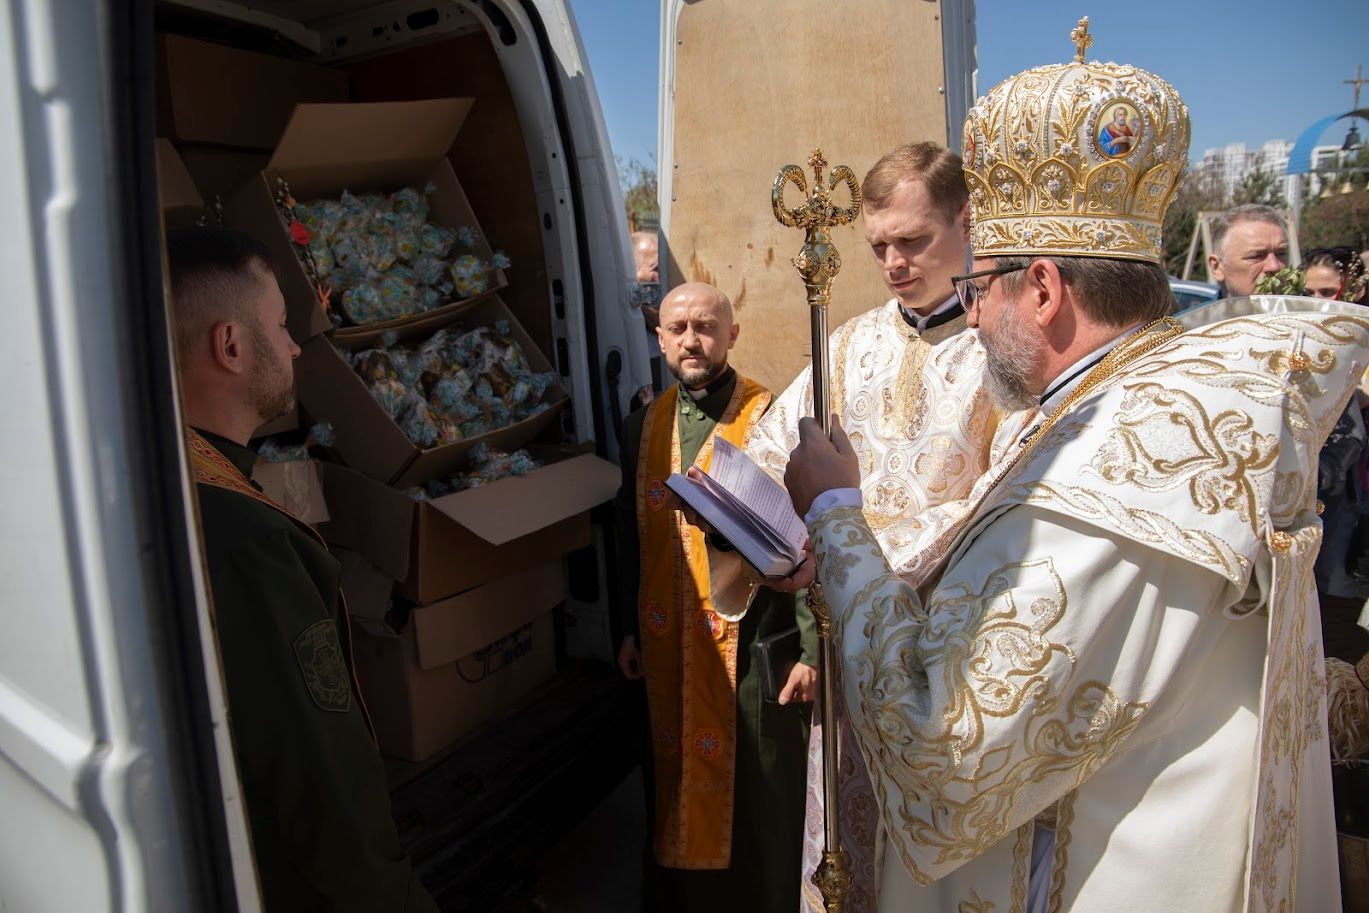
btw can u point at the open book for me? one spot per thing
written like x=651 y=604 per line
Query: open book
x=747 y=508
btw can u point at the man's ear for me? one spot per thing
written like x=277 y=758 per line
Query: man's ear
x=228 y=346
x=1047 y=291
x=732 y=337
x=1214 y=266
x=660 y=339
x=964 y=219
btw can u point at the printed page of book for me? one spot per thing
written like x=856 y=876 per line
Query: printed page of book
x=734 y=522
x=739 y=474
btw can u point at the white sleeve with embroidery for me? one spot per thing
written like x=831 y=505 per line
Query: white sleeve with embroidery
x=777 y=434
x=1039 y=653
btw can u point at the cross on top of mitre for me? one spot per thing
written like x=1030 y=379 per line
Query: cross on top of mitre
x=1082 y=39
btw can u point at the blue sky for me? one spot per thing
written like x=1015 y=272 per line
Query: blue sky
x=1249 y=71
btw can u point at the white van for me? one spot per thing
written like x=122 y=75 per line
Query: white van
x=117 y=784
x=117 y=781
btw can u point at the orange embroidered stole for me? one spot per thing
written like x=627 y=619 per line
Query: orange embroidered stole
x=689 y=652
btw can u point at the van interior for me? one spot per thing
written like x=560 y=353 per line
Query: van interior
x=477 y=813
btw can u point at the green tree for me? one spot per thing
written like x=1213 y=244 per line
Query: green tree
x=637 y=180
x=1339 y=219
x=1202 y=190
x=1259 y=187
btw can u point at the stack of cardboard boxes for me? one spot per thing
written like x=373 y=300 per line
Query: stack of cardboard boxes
x=452 y=598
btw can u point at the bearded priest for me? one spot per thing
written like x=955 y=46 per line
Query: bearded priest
x=1109 y=694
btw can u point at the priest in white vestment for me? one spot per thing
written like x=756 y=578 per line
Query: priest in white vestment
x=1109 y=693
x=908 y=383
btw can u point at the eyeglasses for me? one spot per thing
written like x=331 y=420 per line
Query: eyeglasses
x=969 y=293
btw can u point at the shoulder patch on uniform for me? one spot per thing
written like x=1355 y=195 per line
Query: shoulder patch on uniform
x=320 y=660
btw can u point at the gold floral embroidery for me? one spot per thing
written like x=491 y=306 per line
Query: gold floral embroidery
x=1162 y=439
x=938 y=464
x=1136 y=523
x=975 y=905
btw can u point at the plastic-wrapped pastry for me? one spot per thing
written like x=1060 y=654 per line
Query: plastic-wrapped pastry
x=486 y=466
x=398 y=293
x=436 y=240
x=376 y=257
x=454 y=385
x=362 y=303
x=470 y=275
x=273 y=451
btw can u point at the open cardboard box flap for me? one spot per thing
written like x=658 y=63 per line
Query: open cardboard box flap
x=457 y=627
x=348 y=143
x=519 y=505
x=174 y=184
x=354 y=521
x=366 y=587
x=295 y=486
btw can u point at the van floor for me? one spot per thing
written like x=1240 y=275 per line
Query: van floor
x=597 y=867
x=537 y=812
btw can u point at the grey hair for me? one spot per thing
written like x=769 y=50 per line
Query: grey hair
x=1112 y=292
x=1246 y=212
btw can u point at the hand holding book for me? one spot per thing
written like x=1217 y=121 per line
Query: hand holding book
x=752 y=511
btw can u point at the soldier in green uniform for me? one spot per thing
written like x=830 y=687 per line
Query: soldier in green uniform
x=314 y=786
x=726 y=774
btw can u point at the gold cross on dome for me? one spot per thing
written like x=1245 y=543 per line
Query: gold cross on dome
x=1082 y=39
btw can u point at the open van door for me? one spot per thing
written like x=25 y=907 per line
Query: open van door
x=748 y=86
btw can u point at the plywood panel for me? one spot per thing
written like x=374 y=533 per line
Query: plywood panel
x=758 y=84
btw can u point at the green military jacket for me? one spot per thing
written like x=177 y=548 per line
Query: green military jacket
x=314 y=785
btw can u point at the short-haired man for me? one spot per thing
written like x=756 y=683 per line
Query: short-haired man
x=322 y=833
x=646 y=257
x=727 y=766
x=1041 y=716
x=909 y=384
x=1249 y=243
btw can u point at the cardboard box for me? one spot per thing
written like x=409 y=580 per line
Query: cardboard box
x=295 y=486
x=367 y=589
x=361 y=148
x=462 y=540
x=211 y=93
x=460 y=662
x=218 y=173
x=180 y=201
x=369 y=440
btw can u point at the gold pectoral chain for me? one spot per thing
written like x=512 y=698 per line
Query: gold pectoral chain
x=1149 y=338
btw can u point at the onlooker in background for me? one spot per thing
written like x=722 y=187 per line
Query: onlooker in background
x=1342 y=568
x=646 y=253
x=314 y=787
x=1323 y=275
x=646 y=297
x=1249 y=243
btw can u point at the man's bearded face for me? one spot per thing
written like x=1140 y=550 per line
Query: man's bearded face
x=1011 y=357
x=271 y=385
x=695 y=334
